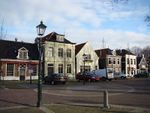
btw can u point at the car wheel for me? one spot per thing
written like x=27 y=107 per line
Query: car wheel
x=89 y=80
x=64 y=83
x=122 y=77
x=109 y=79
x=103 y=79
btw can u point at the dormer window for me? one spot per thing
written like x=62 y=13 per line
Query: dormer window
x=22 y=53
x=60 y=38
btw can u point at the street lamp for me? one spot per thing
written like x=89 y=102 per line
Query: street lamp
x=84 y=58
x=40 y=31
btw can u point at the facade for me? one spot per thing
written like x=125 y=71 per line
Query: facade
x=59 y=55
x=18 y=60
x=142 y=65
x=129 y=62
x=109 y=59
x=86 y=58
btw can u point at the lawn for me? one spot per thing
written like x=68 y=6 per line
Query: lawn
x=56 y=108
x=13 y=84
x=22 y=110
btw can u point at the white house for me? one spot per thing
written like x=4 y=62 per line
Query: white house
x=142 y=64
x=59 y=55
x=129 y=62
x=86 y=58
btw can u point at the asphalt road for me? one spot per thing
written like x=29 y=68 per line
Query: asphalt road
x=135 y=92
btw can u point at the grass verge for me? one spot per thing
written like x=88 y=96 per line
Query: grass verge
x=58 y=108
x=22 y=110
x=13 y=84
x=61 y=108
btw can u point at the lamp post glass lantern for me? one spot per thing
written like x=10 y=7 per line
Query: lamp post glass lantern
x=40 y=31
x=41 y=28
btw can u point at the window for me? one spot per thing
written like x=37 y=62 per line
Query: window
x=131 y=61
x=50 y=51
x=87 y=68
x=114 y=62
x=68 y=68
x=96 y=68
x=81 y=68
x=109 y=60
x=127 y=60
x=50 y=68
x=10 y=69
x=60 y=38
x=23 y=53
x=60 y=68
x=118 y=61
x=68 y=52
x=60 y=52
x=88 y=57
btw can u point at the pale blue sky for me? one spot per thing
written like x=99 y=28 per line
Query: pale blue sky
x=120 y=23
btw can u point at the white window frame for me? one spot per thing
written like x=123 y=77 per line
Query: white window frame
x=10 y=72
x=23 y=53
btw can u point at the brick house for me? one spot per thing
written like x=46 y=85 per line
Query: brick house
x=18 y=60
x=109 y=59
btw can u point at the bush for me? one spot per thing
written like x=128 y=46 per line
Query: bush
x=142 y=75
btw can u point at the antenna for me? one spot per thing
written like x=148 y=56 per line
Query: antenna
x=103 y=43
x=128 y=46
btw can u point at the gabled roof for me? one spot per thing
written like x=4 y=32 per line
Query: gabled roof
x=79 y=47
x=103 y=52
x=52 y=37
x=9 y=49
x=123 y=52
x=141 y=60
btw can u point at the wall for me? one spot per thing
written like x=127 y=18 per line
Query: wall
x=58 y=60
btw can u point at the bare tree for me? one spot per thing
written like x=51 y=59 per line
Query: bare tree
x=146 y=51
x=136 y=50
x=147 y=17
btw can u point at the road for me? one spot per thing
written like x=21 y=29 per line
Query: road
x=135 y=92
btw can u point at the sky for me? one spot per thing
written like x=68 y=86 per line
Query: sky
x=117 y=24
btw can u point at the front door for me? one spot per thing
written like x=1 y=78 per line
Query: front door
x=22 y=70
x=50 y=69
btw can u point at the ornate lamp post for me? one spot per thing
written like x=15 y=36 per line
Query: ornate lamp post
x=40 y=31
x=84 y=59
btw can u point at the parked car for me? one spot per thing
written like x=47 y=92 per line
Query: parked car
x=87 y=77
x=104 y=74
x=55 y=78
x=119 y=76
x=142 y=75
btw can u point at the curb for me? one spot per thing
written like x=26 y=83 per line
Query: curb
x=135 y=109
